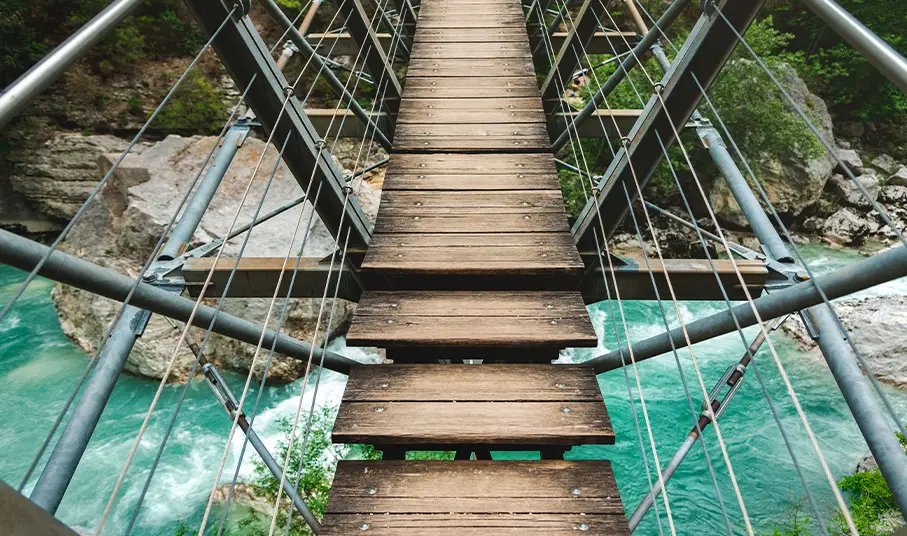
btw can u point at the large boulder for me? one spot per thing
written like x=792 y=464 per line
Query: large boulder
x=876 y=325
x=121 y=228
x=847 y=227
x=899 y=177
x=885 y=163
x=794 y=182
x=850 y=193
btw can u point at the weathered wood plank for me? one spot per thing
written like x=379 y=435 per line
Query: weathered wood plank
x=431 y=116
x=471 y=145
x=475 y=67
x=512 y=131
x=478 y=486
x=459 y=164
x=414 y=202
x=428 y=182
x=462 y=318
x=468 y=51
x=541 y=305
x=472 y=383
x=475 y=524
x=544 y=222
x=474 y=105
x=473 y=423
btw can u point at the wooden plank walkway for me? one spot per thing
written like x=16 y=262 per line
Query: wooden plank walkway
x=473 y=241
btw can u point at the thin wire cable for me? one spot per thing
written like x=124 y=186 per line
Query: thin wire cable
x=151 y=258
x=383 y=84
x=248 y=380
x=791 y=242
x=646 y=419
x=53 y=247
x=179 y=343
x=661 y=307
x=783 y=372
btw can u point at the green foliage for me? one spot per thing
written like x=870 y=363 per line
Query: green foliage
x=752 y=107
x=197 y=106
x=871 y=502
x=29 y=29
x=850 y=83
x=797 y=524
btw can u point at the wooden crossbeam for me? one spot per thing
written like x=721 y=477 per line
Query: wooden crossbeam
x=692 y=279
x=342 y=44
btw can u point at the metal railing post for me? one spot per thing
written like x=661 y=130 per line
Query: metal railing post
x=38 y=78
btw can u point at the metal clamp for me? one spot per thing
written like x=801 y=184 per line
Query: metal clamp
x=243 y=7
x=722 y=405
x=221 y=391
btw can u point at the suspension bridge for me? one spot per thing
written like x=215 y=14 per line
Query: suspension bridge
x=472 y=278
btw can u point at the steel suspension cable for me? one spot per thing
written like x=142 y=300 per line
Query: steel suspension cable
x=632 y=357
x=150 y=259
x=760 y=322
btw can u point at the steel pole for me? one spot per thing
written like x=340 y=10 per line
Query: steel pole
x=25 y=254
x=68 y=451
x=70 y=447
x=38 y=78
x=876 y=51
x=198 y=205
x=863 y=404
x=855 y=277
x=749 y=205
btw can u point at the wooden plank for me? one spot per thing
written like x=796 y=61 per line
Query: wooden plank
x=506 y=131
x=521 y=83
x=463 y=318
x=416 y=202
x=477 y=67
x=471 y=35
x=475 y=105
x=459 y=262
x=471 y=145
x=478 y=486
x=540 y=305
x=467 y=241
x=469 y=51
x=544 y=222
x=458 y=164
x=431 y=116
x=473 y=423
x=472 y=383
x=470 y=92
x=475 y=524
x=513 y=181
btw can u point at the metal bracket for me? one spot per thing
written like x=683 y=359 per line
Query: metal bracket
x=221 y=390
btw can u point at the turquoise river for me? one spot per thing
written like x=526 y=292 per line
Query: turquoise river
x=39 y=367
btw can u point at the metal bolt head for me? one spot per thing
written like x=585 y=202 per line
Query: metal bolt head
x=389 y=321
x=363 y=526
x=527 y=217
x=543 y=255
x=372 y=491
x=395 y=305
x=379 y=409
x=418 y=203
x=384 y=386
x=560 y=385
x=582 y=526
x=149 y=277
x=554 y=322
x=549 y=306
x=565 y=409
x=576 y=491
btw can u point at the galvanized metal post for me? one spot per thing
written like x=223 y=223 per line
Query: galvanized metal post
x=871 y=46
x=42 y=75
x=863 y=403
x=855 y=277
x=70 y=447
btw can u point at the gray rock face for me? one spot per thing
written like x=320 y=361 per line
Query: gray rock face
x=57 y=177
x=851 y=194
x=899 y=178
x=877 y=327
x=894 y=195
x=851 y=159
x=885 y=163
x=122 y=227
x=794 y=183
x=847 y=227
